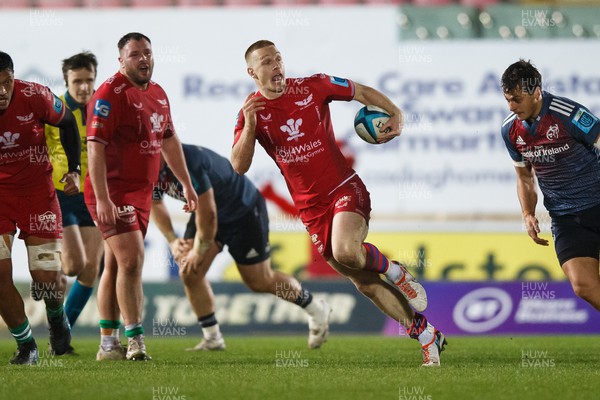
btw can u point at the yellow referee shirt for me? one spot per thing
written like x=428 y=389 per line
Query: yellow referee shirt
x=58 y=158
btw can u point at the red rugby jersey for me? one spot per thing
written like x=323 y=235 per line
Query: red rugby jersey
x=24 y=161
x=296 y=131
x=131 y=123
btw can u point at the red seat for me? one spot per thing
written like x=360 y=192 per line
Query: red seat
x=57 y=3
x=291 y=3
x=338 y=2
x=243 y=3
x=103 y=3
x=15 y=4
x=383 y=2
x=198 y=3
x=431 y=3
x=151 y=3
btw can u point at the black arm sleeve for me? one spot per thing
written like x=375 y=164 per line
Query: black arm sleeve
x=70 y=140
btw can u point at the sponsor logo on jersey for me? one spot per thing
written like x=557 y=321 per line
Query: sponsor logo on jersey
x=58 y=105
x=292 y=129
x=25 y=118
x=301 y=153
x=119 y=88
x=584 y=120
x=138 y=106
x=339 y=81
x=157 y=121
x=552 y=132
x=162 y=102
x=540 y=153
x=102 y=108
x=150 y=146
x=8 y=140
x=305 y=102
x=520 y=141
x=266 y=118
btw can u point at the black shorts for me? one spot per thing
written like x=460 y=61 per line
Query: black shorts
x=247 y=238
x=74 y=211
x=577 y=235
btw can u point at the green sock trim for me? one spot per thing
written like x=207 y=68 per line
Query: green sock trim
x=134 y=332
x=110 y=324
x=54 y=313
x=22 y=333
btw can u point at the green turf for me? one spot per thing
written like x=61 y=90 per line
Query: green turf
x=347 y=367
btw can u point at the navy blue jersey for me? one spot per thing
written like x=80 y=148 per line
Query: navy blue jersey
x=234 y=194
x=559 y=145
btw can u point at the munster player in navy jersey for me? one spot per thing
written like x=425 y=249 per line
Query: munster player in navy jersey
x=230 y=212
x=558 y=139
x=290 y=119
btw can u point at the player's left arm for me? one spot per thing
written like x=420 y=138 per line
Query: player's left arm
x=369 y=96
x=584 y=126
x=71 y=143
x=173 y=154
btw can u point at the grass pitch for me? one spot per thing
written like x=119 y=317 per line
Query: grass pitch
x=347 y=367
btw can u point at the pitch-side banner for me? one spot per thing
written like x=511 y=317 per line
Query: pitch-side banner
x=506 y=308
x=450 y=158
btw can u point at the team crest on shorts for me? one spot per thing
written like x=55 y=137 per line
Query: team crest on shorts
x=343 y=201
x=126 y=214
x=317 y=242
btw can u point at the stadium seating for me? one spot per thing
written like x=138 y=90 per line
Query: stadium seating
x=478 y=3
x=449 y=22
x=15 y=3
x=243 y=3
x=381 y=2
x=508 y=21
x=151 y=3
x=431 y=3
x=57 y=3
x=198 y=3
x=291 y=3
x=338 y=2
x=102 y=3
x=578 y=22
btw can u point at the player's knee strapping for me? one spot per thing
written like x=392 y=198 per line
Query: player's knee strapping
x=44 y=257
x=4 y=248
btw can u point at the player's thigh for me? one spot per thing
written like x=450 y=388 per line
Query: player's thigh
x=128 y=249
x=582 y=271
x=348 y=231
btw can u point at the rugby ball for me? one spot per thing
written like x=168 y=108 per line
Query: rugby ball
x=368 y=121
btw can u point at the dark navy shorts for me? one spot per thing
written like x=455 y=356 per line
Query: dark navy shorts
x=74 y=211
x=577 y=235
x=247 y=238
